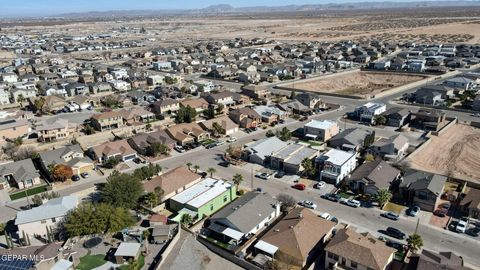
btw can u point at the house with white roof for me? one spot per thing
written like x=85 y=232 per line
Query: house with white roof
x=335 y=165
x=368 y=111
x=259 y=151
x=203 y=198
x=36 y=220
x=321 y=130
x=462 y=83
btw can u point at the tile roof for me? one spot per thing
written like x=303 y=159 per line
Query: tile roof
x=113 y=148
x=20 y=170
x=172 y=180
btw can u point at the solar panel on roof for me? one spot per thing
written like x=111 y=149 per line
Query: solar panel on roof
x=15 y=264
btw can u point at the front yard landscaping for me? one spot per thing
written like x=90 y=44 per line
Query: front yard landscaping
x=393 y=207
x=28 y=192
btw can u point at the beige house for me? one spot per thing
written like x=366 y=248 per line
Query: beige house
x=321 y=130
x=19 y=174
x=229 y=127
x=199 y=104
x=165 y=106
x=173 y=182
x=57 y=130
x=11 y=129
x=186 y=133
x=107 y=120
x=351 y=250
x=104 y=151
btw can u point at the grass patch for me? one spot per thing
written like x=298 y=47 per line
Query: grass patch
x=88 y=261
x=141 y=262
x=207 y=142
x=29 y=192
x=399 y=255
x=392 y=207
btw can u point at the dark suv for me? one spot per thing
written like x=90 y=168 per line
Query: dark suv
x=395 y=233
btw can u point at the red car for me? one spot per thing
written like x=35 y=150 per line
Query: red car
x=299 y=186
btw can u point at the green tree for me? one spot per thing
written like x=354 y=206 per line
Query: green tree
x=189 y=164
x=39 y=103
x=219 y=108
x=217 y=129
x=148 y=126
x=159 y=192
x=237 y=179
x=414 y=242
x=150 y=200
x=284 y=134
x=156 y=149
x=88 y=130
x=308 y=167
x=380 y=120
x=186 y=219
x=383 y=197
x=196 y=167
x=21 y=99
x=211 y=171
x=269 y=133
x=210 y=112
x=111 y=162
x=122 y=190
x=2 y=228
x=186 y=114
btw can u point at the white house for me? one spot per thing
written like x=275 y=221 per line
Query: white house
x=4 y=97
x=205 y=86
x=9 y=77
x=120 y=85
x=50 y=214
x=368 y=111
x=162 y=65
x=336 y=165
x=461 y=83
x=321 y=130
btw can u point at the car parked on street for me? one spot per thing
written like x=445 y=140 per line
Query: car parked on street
x=75 y=178
x=299 y=186
x=326 y=216
x=179 y=148
x=332 y=197
x=413 y=211
x=263 y=175
x=225 y=164
x=462 y=225
x=353 y=203
x=232 y=139
x=85 y=175
x=475 y=232
x=280 y=174
x=390 y=215
x=395 y=233
x=319 y=185
x=308 y=204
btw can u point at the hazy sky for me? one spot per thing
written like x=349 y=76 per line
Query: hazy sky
x=47 y=7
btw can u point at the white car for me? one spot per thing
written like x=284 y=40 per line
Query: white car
x=232 y=139
x=179 y=148
x=462 y=225
x=319 y=185
x=326 y=216
x=353 y=203
x=308 y=204
x=263 y=175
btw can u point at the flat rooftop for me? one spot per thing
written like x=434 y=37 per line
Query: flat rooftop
x=202 y=192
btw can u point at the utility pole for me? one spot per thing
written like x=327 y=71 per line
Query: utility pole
x=416 y=228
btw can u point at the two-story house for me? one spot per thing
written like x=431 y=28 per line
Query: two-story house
x=107 y=120
x=321 y=130
x=335 y=165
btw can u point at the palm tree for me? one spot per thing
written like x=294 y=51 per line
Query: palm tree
x=146 y=234
x=196 y=167
x=211 y=171
x=189 y=164
x=237 y=179
x=383 y=196
x=415 y=242
x=186 y=219
x=20 y=99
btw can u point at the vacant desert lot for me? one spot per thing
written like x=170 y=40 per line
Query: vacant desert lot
x=358 y=83
x=454 y=153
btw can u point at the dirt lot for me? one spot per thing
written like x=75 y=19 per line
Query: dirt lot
x=357 y=83
x=456 y=152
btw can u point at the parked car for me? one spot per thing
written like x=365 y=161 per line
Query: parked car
x=280 y=174
x=332 y=197
x=85 y=175
x=395 y=233
x=326 y=216
x=299 y=186
x=353 y=203
x=219 y=143
x=263 y=175
x=390 y=215
x=211 y=145
x=224 y=164
x=473 y=232
x=232 y=139
x=462 y=225
x=308 y=204
x=394 y=244
x=319 y=185
x=179 y=148
x=75 y=178
x=413 y=211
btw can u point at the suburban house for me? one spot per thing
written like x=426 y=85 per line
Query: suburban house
x=172 y=182
x=429 y=260
x=289 y=159
x=48 y=215
x=45 y=257
x=310 y=100
x=270 y=114
x=166 y=106
x=350 y=139
x=225 y=98
x=242 y=218
x=255 y=91
x=297 y=238
x=136 y=116
x=227 y=125
x=422 y=188
x=372 y=176
x=104 y=151
x=335 y=165
x=12 y=129
x=397 y=117
x=59 y=129
x=368 y=111
x=260 y=151
x=245 y=117
x=142 y=141
x=393 y=148
x=107 y=120
x=187 y=133
x=321 y=130
x=203 y=198
x=351 y=250
x=463 y=83
x=18 y=174
x=428 y=119
x=71 y=155
x=470 y=203
x=199 y=104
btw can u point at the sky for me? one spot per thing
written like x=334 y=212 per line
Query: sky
x=9 y=8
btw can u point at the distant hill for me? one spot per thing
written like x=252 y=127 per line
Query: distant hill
x=229 y=9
